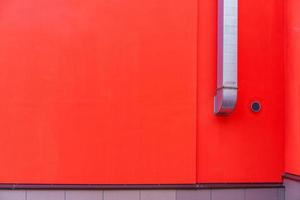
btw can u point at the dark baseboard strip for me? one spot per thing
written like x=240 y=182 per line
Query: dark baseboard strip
x=139 y=187
x=293 y=177
x=239 y=185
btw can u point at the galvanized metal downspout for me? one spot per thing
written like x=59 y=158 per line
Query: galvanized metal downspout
x=227 y=67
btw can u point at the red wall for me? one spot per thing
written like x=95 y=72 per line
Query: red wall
x=292 y=72
x=98 y=91
x=246 y=146
x=113 y=92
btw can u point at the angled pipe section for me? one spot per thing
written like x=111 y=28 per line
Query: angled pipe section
x=226 y=94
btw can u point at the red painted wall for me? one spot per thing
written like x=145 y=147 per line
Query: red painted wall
x=122 y=92
x=98 y=91
x=292 y=72
x=246 y=146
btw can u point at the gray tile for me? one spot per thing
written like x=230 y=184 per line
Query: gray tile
x=122 y=195
x=45 y=195
x=84 y=195
x=158 y=195
x=281 y=193
x=228 y=194
x=12 y=194
x=193 y=195
x=261 y=194
x=292 y=190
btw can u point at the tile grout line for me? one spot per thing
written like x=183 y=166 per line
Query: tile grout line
x=100 y=195
x=140 y=195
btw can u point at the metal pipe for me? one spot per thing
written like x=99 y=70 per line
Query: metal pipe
x=227 y=85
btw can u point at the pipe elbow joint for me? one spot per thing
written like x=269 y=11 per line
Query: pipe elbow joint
x=225 y=101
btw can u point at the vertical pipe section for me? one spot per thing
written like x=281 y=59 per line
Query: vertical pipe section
x=226 y=95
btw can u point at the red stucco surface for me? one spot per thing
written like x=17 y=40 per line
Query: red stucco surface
x=292 y=72
x=246 y=146
x=98 y=91
x=113 y=92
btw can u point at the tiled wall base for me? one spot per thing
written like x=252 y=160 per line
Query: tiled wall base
x=206 y=194
x=292 y=189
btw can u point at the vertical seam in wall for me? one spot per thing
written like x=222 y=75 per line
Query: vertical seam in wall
x=284 y=45
x=197 y=101
x=25 y=194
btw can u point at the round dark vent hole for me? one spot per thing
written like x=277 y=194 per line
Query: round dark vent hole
x=255 y=106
